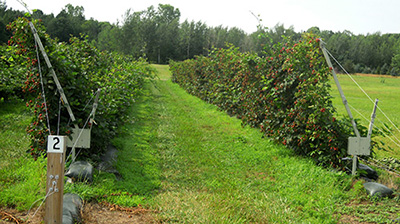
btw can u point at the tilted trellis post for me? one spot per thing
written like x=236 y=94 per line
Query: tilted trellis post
x=53 y=73
x=357 y=145
x=83 y=134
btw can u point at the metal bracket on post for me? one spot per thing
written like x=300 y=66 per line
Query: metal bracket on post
x=362 y=145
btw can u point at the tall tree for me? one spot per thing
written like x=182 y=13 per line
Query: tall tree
x=150 y=34
x=67 y=23
x=236 y=36
x=91 y=28
x=167 y=18
x=395 y=63
x=131 y=39
x=108 y=38
x=193 y=39
x=217 y=37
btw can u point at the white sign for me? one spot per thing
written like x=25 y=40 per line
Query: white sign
x=56 y=144
x=82 y=142
x=359 y=146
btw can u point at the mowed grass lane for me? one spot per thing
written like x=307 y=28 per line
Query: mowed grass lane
x=212 y=170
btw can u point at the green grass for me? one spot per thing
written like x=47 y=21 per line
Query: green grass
x=215 y=171
x=137 y=160
x=191 y=163
x=384 y=88
x=22 y=180
x=13 y=120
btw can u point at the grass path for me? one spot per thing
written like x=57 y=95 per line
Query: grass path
x=201 y=166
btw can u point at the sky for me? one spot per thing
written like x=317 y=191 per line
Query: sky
x=357 y=16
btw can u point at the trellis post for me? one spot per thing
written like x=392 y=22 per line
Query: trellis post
x=56 y=148
x=344 y=101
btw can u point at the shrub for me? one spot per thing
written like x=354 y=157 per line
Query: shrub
x=10 y=73
x=81 y=70
x=285 y=94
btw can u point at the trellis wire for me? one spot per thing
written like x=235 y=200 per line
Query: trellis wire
x=381 y=166
x=49 y=193
x=376 y=126
x=69 y=121
x=391 y=122
x=80 y=133
x=43 y=92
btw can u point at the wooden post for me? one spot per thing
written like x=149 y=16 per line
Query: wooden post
x=56 y=148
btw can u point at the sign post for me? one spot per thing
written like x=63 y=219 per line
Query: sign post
x=56 y=148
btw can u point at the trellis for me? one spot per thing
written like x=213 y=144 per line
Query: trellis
x=80 y=136
x=357 y=145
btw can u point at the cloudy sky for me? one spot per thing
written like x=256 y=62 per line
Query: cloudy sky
x=358 y=16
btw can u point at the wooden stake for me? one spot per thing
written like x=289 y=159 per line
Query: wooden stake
x=56 y=149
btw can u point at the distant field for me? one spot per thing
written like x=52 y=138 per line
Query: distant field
x=384 y=88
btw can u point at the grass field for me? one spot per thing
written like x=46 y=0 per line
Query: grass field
x=384 y=88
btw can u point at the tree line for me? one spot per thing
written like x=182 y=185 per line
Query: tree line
x=158 y=35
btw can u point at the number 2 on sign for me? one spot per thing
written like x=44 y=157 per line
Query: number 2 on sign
x=55 y=144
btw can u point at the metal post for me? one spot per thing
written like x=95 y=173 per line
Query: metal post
x=344 y=100
x=356 y=132
x=373 y=115
x=53 y=73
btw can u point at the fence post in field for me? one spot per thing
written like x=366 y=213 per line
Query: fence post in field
x=56 y=149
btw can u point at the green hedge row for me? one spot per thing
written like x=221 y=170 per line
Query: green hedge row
x=10 y=73
x=285 y=94
x=81 y=70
